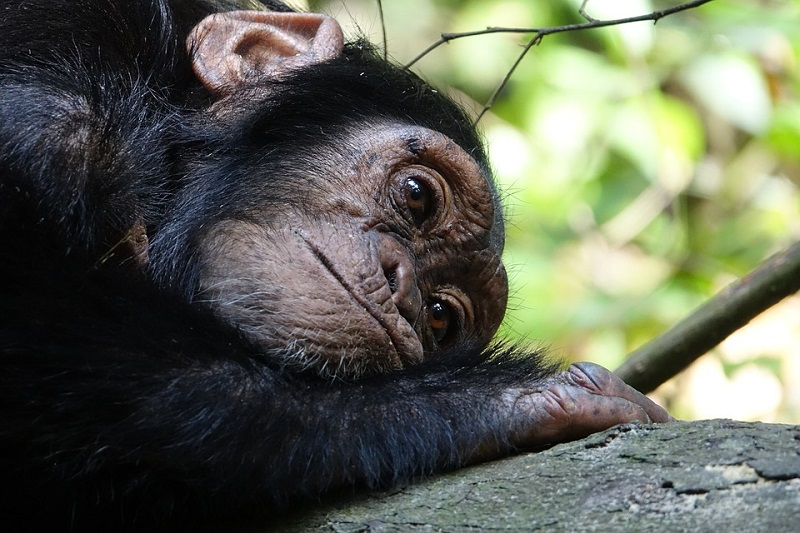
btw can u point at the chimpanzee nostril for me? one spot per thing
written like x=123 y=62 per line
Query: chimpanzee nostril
x=398 y=268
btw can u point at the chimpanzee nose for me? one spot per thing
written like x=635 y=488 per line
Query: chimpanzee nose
x=398 y=268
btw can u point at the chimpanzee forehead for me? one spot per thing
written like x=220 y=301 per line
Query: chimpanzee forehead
x=358 y=85
x=359 y=88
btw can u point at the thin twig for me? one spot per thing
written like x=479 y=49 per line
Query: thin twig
x=584 y=14
x=711 y=323
x=383 y=31
x=489 y=103
x=655 y=16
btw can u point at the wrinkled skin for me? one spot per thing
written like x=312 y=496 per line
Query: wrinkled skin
x=244 y=265
x=584 y=399
x=376 y=267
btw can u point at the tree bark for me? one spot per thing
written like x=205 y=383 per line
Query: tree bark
x=712 y=475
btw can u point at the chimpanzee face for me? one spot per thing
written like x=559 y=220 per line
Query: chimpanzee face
x=381 y=258
x=338 y=234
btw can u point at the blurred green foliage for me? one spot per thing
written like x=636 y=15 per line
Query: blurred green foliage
x=645 y=166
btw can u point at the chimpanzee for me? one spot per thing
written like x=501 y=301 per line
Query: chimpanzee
x=243 y=264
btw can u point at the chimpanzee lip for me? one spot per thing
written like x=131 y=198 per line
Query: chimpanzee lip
x=398 y=357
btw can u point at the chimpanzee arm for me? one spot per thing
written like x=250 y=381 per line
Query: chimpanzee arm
x=124 y=410
x=122 y=403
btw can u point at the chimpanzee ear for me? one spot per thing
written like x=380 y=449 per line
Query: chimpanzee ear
x=228 y=49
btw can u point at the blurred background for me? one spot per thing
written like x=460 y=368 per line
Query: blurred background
x=645 y=167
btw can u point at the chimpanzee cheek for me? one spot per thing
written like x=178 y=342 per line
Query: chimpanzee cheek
x=317 y=297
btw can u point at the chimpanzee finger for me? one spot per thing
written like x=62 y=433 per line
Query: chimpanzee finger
x=567 y=411
x=602 y=381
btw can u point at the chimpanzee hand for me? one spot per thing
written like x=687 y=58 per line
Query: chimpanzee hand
x=582 y=400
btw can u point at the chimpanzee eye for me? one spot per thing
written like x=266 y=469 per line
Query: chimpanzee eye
x=418 y=199
x=440 y=319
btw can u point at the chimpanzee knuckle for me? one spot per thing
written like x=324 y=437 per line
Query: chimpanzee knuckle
x=559 y=401
x=583 y=377
x=596 y=379
x=564 y=412
x=554 y=403
x=604 y=382
x=574 y=410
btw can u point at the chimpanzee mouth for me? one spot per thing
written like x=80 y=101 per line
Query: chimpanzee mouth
x=404 y=354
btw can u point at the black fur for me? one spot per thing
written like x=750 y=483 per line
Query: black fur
x=120 y=401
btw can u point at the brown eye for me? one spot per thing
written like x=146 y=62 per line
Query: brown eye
x=439 y=319
x=418 y=199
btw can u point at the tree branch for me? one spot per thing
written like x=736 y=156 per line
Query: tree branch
x=666 y=355
x=540 y=33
